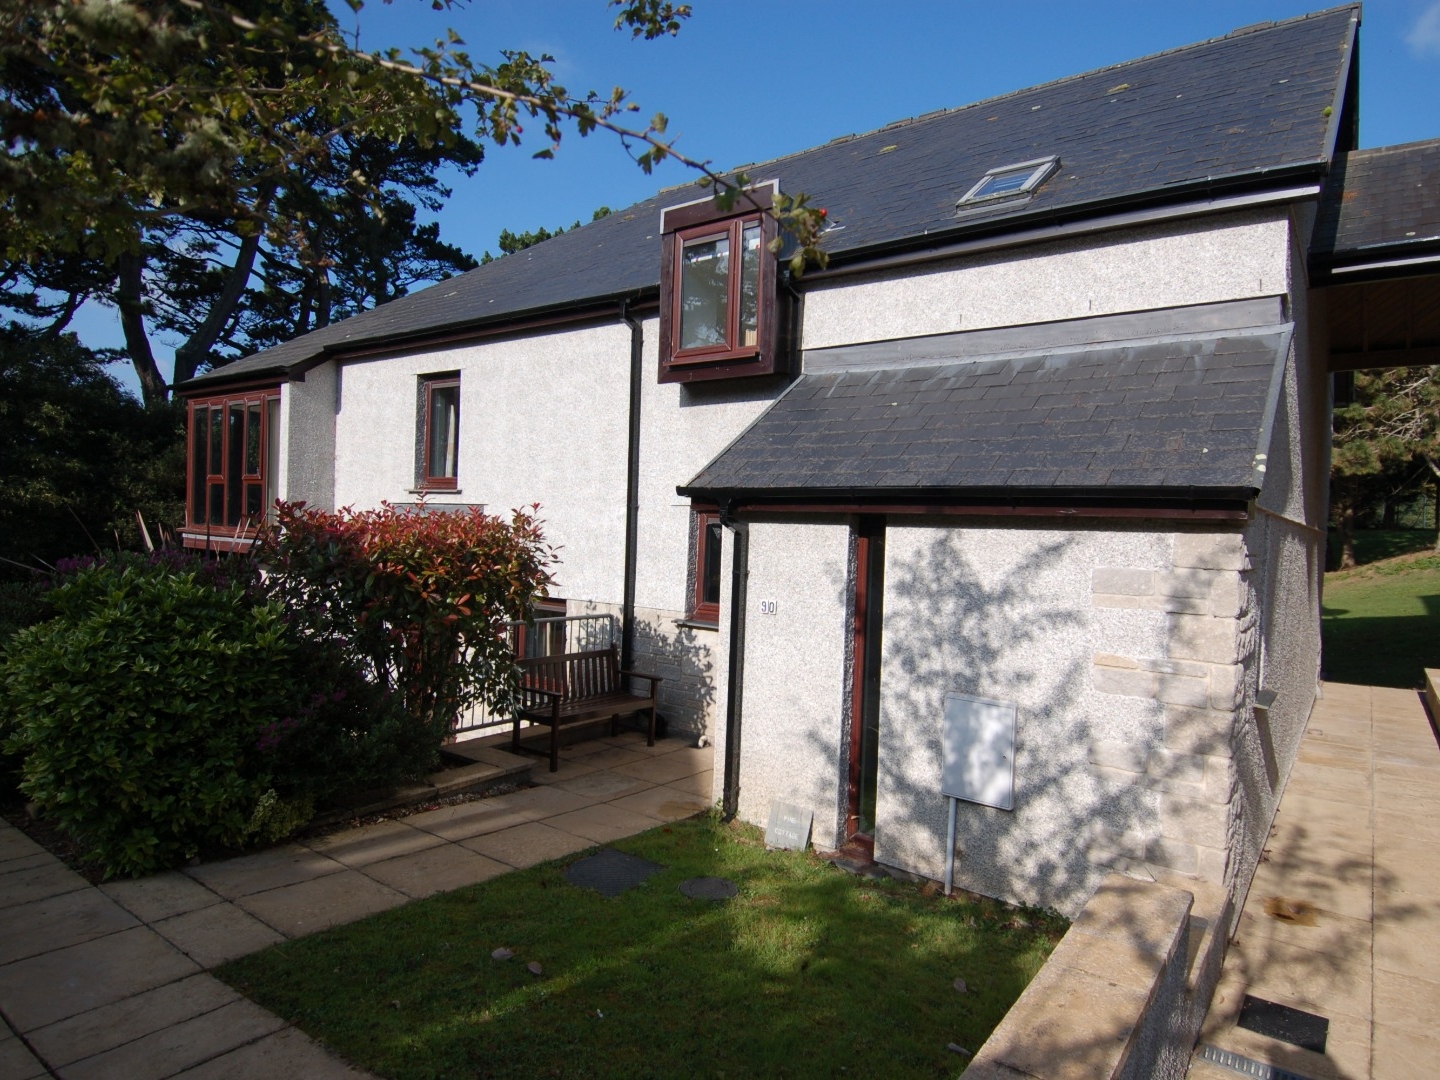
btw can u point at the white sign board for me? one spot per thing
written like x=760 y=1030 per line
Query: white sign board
x=979 y=749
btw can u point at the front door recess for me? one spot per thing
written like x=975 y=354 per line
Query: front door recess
x=865 y=691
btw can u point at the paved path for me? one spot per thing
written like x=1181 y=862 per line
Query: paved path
x=1353 y=872
x=110 y=982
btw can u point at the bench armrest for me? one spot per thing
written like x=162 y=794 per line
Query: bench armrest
x=525 y=691
x=643 y=675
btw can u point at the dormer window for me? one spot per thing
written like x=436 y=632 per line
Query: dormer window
x=1008 y=184
x=717 y=284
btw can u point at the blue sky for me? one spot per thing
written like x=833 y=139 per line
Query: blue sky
x=749 y=80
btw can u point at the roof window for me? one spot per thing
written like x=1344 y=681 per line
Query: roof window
x=1008 y=184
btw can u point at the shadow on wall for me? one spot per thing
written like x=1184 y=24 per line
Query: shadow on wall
x=684 y=659
x=967 y=614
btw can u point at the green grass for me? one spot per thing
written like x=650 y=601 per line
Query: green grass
x=1373 y=545
x=808 y=972
x=1382 y=622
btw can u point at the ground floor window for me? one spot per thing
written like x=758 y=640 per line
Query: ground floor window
x=705 y=600
x=234 y=450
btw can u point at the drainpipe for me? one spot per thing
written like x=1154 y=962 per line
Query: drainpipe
x=735 y=682
x=632 y=489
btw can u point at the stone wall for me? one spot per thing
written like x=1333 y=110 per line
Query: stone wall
x=1200 y=682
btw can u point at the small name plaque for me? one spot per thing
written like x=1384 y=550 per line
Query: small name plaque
x=789 y=827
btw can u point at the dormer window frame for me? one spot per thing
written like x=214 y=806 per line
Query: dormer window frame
x=1036 y=173
x=692 y=228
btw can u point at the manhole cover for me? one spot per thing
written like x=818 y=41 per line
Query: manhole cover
x=708 y=888
x=610 y=872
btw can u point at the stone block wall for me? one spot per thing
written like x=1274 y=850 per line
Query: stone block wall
x=1200 y=684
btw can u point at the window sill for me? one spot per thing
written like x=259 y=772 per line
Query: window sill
x=697 y=624
x=434 y=491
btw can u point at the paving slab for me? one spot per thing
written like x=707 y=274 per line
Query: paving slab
x=109 y=1026
x=165 y=1052
x=569 y=770
x=604 y=784
x=1404 y=1055
x=310 y=906
x=373 y=843
x=36 y=879
x=468 y=819
x=214 y=935
x=161 y=895
x=603 y=823
x=536 y=804
x=43 y=989
x=663 y=804
x=59 y=921
x=702 y=784
x=436 y=870
x=287 y=1053
x=608 y=757
x=265 y=870
x=17 y=1062
x=527 y=845
x=664 y=770
x=14 y=844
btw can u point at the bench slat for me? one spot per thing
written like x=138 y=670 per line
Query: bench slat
x=588 y=686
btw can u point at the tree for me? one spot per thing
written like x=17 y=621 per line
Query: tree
x=185 y=123
x=78 y=456
x=511 y=242
x=1386 y=440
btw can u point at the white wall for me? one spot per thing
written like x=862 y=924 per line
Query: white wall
x=542 y=419
x=794 y=672
x=1202 y=260
x=1006 y=612
x=307 y=411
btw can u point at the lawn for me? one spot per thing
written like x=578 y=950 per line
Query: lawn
x=1372 y=545
x=808 y=972
x=1382 y=621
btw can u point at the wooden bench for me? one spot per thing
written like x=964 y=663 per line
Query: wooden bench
x=570 y=689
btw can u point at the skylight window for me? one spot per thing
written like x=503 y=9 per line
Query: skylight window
x=1008 y=183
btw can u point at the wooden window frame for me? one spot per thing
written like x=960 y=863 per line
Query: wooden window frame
x=731 y=359
x=203 y=487
x=700 y=610
x=428 y=385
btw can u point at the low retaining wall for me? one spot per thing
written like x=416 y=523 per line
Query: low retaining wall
x=1432 y=694
x=1123 y=994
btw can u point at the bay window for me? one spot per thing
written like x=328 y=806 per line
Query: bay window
x=234 y=447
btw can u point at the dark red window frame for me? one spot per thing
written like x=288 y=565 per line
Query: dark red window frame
x=707 y=551
x=428 y=481
x=228 y=471
x=733 y=358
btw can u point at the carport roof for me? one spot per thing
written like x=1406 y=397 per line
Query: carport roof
x=1380 y=205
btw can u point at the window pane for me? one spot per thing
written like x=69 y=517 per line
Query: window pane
x=750 y=285
x=1003 y=184
x=444 y=433
x=217 y=504
x=199 y=442
x=236 y=446
x=704 y=293
x=217 y=437
x=252 y=439
x=271 y=470
x=252 y=502
x=710 y=567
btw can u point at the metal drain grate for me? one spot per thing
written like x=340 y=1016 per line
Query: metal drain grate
x=1245 y=1066
x=1275 y=1021
x=610 y=872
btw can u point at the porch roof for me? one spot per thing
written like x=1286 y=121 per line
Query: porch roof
x=1187 y=417
x=1380 y=205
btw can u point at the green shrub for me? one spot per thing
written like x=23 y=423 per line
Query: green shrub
x=137 y=711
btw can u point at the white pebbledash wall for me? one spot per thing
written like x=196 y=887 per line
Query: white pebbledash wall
x=1133 y=652
x=543 y=418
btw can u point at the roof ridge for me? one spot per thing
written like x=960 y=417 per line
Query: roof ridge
x=1244 y=31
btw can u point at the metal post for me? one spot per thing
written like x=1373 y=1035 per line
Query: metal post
x=950 y=849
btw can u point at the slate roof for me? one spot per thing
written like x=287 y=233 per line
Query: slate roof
x=1245 y=110
x=1128 y=419
x=1381 y=203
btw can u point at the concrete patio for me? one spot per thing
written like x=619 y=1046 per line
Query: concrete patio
x=110 y=981
x=1343 y=917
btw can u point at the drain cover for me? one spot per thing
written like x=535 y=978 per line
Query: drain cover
x=1294 y=1026
x=1245 y=1066
x=610 y=872
x=708 y=888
